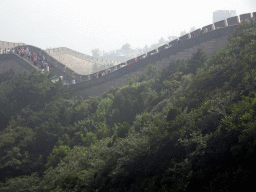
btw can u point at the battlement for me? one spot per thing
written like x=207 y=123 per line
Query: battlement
x=6 y=45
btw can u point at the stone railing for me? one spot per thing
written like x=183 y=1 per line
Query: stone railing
x=9 y=45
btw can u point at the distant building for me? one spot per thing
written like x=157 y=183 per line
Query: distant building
x=222 y=14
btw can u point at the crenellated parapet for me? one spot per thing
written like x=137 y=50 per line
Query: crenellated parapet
x=9 y=45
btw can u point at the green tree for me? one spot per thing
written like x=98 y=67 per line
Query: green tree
x=90 y=139
x=196 y=61
x=58 y=153
x=95 y=52
x=173 y=113
x=152 y=72
x=34 y=90
x=123 y=129
x=126 y=47
x=103 y=109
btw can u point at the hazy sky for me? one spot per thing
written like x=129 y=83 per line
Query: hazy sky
x=106 y=24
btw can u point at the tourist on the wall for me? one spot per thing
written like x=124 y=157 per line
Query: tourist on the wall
x=35 y=60
x=29 y=56
x=32 y=56
x=73 y=81
x=47 y=67
x=25 y=54
x=22 y=52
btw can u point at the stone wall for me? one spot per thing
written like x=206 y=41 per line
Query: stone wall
x=6 y=45
x=65 y=50
x=80 y=66
x=15 y=62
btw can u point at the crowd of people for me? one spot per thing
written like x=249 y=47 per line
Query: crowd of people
x=37 y=59
x=6 y=51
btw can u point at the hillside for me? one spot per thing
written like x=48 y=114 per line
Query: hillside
x=187 y=127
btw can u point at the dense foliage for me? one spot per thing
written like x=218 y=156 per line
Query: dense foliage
x=189 y=127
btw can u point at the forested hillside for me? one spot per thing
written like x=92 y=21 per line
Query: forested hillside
x=188 y=127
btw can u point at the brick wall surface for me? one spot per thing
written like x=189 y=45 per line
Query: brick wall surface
x=18 y=64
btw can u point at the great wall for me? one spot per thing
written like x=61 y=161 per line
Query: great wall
x=79 y=62
x=181 y=48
